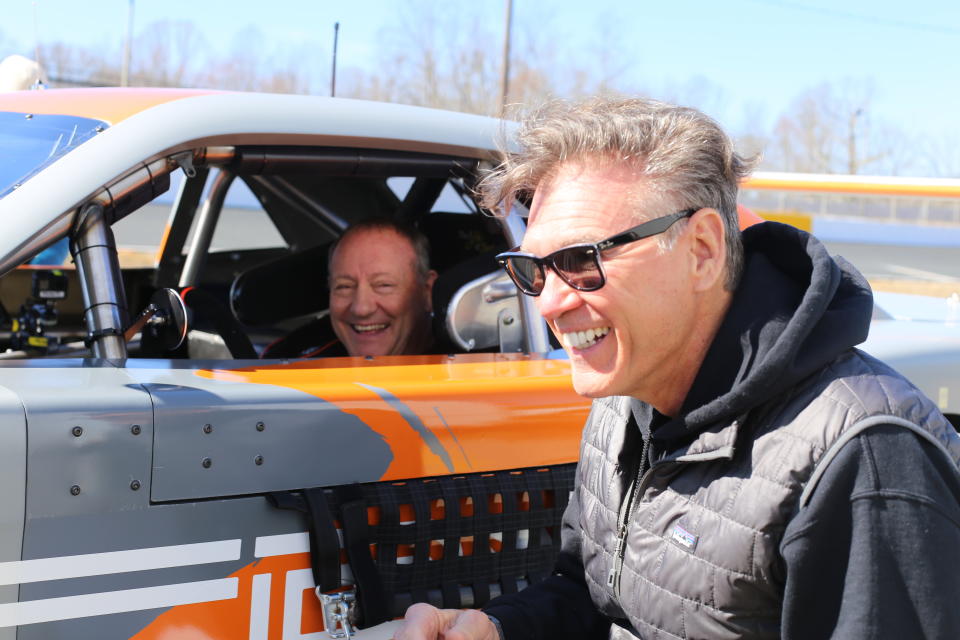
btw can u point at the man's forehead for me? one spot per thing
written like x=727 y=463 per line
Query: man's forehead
x=373 y=240
x=581 y=201
x=381 y=248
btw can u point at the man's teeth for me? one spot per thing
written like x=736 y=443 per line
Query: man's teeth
x=363 y=328
x=584 y=339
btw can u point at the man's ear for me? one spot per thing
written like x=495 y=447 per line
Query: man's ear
x=428 y=289
x=705 y=232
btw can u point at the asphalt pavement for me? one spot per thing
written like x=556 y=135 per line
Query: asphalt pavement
x=899 y=262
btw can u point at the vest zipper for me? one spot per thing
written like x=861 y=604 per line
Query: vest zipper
x=626 y=515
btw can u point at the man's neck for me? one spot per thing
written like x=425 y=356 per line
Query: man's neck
x=677 y=386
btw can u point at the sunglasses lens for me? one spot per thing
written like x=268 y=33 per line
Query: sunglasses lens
x=579 y=267
x=526 y=274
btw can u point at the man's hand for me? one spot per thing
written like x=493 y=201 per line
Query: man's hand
x=424 y=622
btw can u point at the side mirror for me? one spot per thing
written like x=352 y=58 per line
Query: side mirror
x=164 y=319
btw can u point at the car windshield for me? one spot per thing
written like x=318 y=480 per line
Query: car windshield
x=32 y=141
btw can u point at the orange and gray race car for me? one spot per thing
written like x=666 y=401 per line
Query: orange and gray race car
x=172 y=466
x=166 y=473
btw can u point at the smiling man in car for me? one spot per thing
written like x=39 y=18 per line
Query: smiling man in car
x=380 y=290
x=745 y=472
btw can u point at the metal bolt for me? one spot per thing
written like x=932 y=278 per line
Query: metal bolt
x=208 y=428
x=508 y=320
x=28 y=116
x=98 y=129
x=77 y=431
x=258 y=460
x=261 y=426
x=75 y=490
x=206 y=462
x=135 y=485
x=135 y=429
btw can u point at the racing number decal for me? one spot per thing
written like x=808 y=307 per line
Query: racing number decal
x=275 y=601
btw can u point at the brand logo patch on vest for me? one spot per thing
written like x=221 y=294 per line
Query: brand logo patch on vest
x=684 y=538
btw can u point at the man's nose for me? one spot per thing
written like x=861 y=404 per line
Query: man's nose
x=557 y=296
x=364 y=301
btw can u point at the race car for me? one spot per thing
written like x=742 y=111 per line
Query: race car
x=169 y=475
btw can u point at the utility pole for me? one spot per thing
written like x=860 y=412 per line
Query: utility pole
x=333 y=71
x=125 y=67
x=852 y=142
x=36 y=36
x=505 y=66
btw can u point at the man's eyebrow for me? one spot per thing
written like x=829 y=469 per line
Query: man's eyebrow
x=376 y=274
x=568 y=241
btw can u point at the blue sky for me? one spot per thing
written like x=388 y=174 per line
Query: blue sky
x=749 y=58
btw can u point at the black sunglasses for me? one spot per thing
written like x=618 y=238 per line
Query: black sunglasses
x=578 y=265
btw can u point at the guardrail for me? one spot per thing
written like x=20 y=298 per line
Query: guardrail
x=923 y=201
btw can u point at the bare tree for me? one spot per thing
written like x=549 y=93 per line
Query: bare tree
x=832 y=129
x=448 y=59
x=427 y=61
x=166 y=53
x=72 y=65
x=940 y=155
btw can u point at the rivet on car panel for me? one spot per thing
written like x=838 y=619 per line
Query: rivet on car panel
x=135 y=485
x=135 y=429
x=77 y=431
x=75 y=490
x=261 y=426
x=206 y=462
x=258 y=460
x=207 y=428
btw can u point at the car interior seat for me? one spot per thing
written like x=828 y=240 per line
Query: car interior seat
x=294 y=286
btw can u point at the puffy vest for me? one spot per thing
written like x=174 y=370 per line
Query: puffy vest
x=701 y=553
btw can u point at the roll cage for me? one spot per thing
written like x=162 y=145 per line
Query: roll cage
x=310 y=194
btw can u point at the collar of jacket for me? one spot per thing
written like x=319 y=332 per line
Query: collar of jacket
x=712 y=443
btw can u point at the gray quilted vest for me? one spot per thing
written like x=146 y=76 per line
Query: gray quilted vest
x=701 y=551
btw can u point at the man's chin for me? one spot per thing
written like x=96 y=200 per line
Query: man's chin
x=591 y=385
x=374 y=347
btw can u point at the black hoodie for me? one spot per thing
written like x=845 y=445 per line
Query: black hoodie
x=866 y=559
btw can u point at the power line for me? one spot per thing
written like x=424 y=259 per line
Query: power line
x=858 y=17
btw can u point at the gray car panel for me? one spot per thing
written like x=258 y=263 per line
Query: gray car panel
x=208 y=444
x=13 y=454
x=83 y=452
x=211 y=541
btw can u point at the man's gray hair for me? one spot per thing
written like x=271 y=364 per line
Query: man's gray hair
x=684 y=152
x=419 y=242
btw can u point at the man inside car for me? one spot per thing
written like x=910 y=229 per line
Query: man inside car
x=745 y=472
x=380 y=290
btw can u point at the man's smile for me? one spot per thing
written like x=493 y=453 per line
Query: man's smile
x=369 y=328
x=583 y=339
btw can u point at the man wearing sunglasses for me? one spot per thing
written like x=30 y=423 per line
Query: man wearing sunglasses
x=745 y=472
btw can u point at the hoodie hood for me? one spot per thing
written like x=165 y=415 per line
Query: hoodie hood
x=795 y=310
